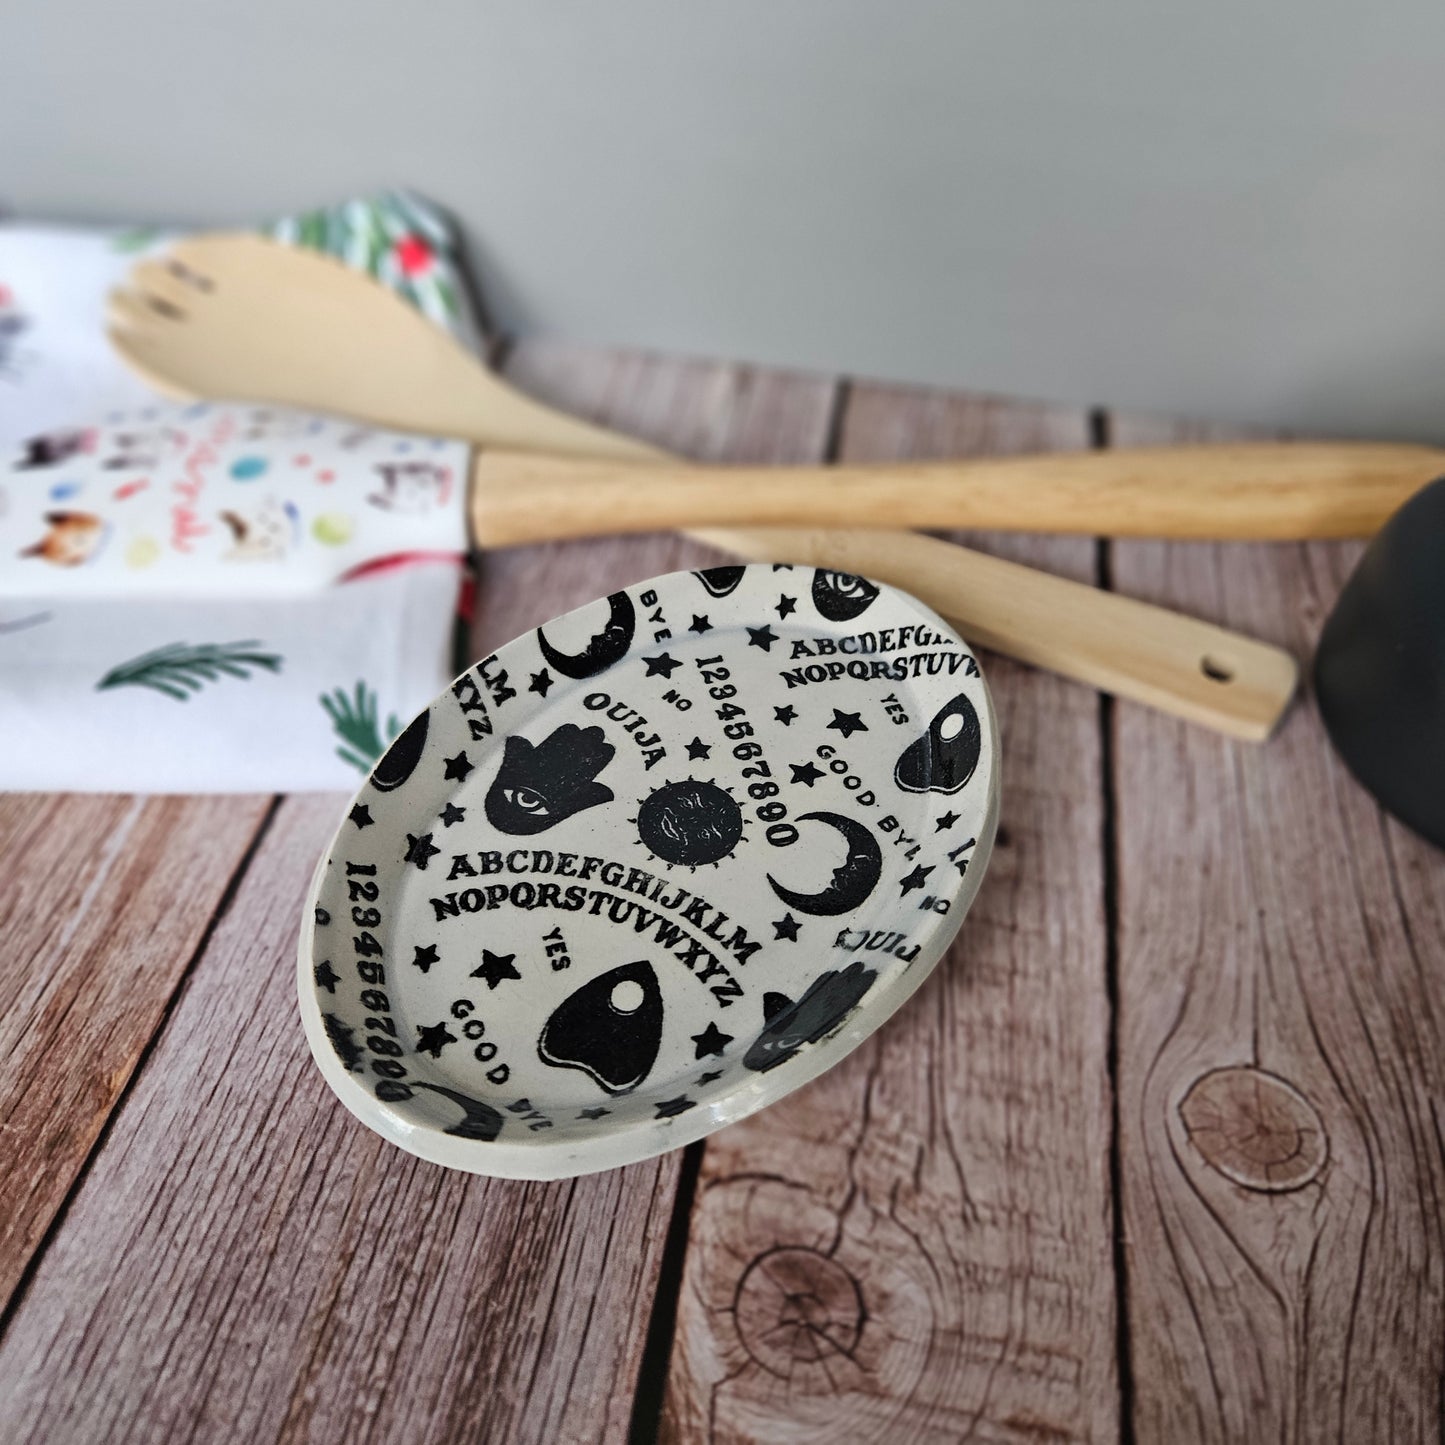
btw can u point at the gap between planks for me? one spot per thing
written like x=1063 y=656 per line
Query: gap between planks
x=1281 y=1049
x=703 y=410
x=1101 y=437
x=918 y=1246
x=109 y=901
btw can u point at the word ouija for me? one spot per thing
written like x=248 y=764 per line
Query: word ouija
x=653 y=749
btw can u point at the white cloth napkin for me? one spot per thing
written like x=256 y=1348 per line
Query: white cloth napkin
x=212 y=599
x=222 y=598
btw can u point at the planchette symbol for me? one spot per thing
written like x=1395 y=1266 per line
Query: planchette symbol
x=610 y=1028
x=944 y=758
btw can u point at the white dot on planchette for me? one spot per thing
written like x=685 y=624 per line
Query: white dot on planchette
x=627 y=996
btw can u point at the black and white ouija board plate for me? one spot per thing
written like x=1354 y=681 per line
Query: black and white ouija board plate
x=649 y=868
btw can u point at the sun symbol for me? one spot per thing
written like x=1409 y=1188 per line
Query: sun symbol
x=690 y=822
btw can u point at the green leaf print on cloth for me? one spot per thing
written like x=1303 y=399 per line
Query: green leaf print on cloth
x=395 y=237
x=398 y=239
x=137 y=239
x=355 y=721
x=180 y=670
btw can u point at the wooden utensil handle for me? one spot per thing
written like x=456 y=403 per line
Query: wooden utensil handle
x=1192 y=669
x=517 y=421
x=1267 y=490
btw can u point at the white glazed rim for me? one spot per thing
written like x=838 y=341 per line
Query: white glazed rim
x=539 y=1157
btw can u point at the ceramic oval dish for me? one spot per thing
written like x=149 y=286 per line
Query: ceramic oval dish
x=649 y=868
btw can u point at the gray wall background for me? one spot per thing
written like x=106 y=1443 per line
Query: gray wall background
x=1234 y=210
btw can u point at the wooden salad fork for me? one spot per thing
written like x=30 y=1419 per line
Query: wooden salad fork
x=240 y=317
x=251 y=319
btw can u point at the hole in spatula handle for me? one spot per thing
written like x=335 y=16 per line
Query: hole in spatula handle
x=1215 y=670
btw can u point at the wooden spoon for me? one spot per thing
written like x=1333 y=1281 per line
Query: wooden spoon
x=242 y=317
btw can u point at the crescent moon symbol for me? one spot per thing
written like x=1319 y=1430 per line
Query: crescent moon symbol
x=399 y=761
x=853 y=880
x=479 y=1120
x=603 y=648
x=720 y=581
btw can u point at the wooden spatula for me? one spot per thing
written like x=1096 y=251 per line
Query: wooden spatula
x=244 y=318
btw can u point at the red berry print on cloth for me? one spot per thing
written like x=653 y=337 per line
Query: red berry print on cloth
x=413 y=255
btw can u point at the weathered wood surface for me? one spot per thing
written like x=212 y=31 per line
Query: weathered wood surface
x=245 y=1262
x=104 y=902
x=1281 y=1052
x=918 y=1246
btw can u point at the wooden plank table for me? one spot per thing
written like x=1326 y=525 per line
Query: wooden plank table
x=1156 y=1154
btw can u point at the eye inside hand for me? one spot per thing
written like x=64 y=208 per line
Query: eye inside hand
x=527 y=800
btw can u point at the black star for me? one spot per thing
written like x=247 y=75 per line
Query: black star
x=420 y=850
x=763 y=637
x=785 y=715
x=326 y=976
x=785 y=605
x=848 y=723
x=459 y=766
x=946 y=821
x=541 y=681
x=782 y=566
x=785 y=927
x=425 y=957
x=322 y=917
x=710 y=1077
x=711 y=1040
x=361 y=816
x=433 y=1039
x=495 y=967
x=700 y=625
x=698 y=749
x=453 y=814
x=680 y=1105
x=661 y=663
x=595 y=1112
x=808 y=772
x=915 y=879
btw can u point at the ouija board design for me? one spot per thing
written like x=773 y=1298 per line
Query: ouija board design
x=649 y=868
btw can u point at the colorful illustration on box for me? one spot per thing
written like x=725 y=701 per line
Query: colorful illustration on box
x=72 y=539
x=265 y=533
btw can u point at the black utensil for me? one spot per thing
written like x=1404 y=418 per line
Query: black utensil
x=1379 y=670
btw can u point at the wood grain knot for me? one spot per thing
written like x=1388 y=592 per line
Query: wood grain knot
x=1255 y=1128
x=798 y=1307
